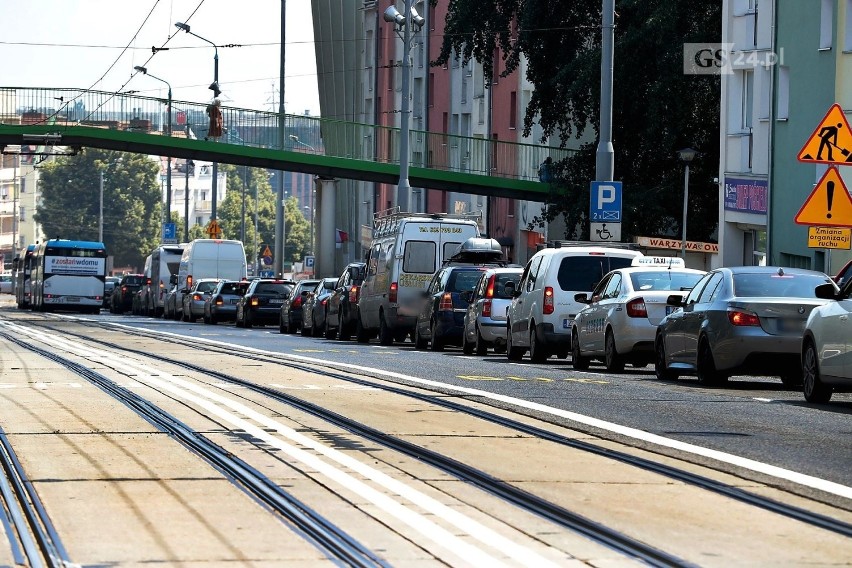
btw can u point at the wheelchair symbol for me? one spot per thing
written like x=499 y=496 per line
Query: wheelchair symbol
x=603 y=233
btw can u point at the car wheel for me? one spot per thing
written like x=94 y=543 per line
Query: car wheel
x=306 y=331
x=385 y=333
x=281 y=327
x=579 y=362
x=206 y=319
x=247 y=322
x=212 y=319
x=707 y=373
x=419 y=342
x=481 y=346
x=361 y=333
x=512 y=353
x=614 y=361
x=538 y=353
x=661 y=368
x=814 y=389
x=344 y=331
x=330 y=332
x=467 y=346
x=792 y=379
x=436 y=343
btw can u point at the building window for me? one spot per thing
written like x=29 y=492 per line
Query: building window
x=783 y=93
x=826 y=23
x=847 y=32
x=22 y=185
x=747 y=99
x=22 y=212
x=391 y=69
x=199 y=221
x=513 y=110
x=430 y=96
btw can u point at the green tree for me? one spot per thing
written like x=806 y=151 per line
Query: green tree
x=657 y=109
x=132 y=211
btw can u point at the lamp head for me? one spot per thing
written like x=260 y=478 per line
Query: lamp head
x=417 y=19
x=293 y=137
x=182 y=26
x=143 y=70
x=214 y=86
x=687 y=154
x=393 y=15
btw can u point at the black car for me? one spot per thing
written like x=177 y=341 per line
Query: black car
x=221 y=305
x=441 y=319
x=125 y=290
x=342 y=307
x=314 y=307
x=290 y=315
x=262 y=301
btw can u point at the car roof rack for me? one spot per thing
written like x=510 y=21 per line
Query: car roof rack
x=479 y=251
x=566 y=244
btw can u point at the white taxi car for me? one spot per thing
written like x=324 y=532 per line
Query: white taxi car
x=621 y=316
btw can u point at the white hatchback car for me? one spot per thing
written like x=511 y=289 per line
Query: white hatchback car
x=621 y=316
x=827 y=345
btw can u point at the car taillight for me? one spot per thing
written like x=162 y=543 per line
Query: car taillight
x=197 y=297
x=392 y=294
x=489 y=291
x=297 y=303
x=486 y=308
x=446 y=304
x=636 y=308
x=324 y=301
x=353 y=295
x=548 y=300
x=253 y=300
x=124 y=288
x=737 y=317
x=218 y=300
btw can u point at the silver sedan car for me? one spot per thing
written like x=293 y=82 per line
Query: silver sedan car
x=485 y=320
x=622 y=313
x=827 y=345
x=746 y=320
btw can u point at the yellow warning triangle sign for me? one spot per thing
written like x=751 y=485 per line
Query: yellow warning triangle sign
x=267 y=251
x=831 y=142
x=829 y=204
x=214 y=231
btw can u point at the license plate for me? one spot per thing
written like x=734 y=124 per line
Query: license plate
x=276 y=301
x=72 y=299
x=790 y=325
x=235 y=301
x=566 y=323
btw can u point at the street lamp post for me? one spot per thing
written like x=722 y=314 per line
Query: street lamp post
x=686 y=156
x=168 y=130
x=404 y=23
x=311 y=215
x=214 y=86
x=101 y=209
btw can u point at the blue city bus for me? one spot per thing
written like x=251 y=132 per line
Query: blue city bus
x=22 y=268
x=69 y=275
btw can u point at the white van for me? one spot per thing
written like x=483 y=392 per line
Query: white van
x=540 y=316
x=165 y=261
x=407 y=250
x=209 y=258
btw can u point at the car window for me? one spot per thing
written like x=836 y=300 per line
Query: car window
x=711 y=290
x=463 y=280
x=133 y=281
x=500 y=285
x=769 y=284
x=271 y=288
x=237 y=288
x=419 y=257
x=206 y=286
x=664 y=280
x=582 y=273
x=450 y=249
x=613 y=287
x=533 y=273
x=692 y=297
x=358 y=273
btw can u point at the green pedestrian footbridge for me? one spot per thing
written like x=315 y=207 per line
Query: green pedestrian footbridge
x=38 y=118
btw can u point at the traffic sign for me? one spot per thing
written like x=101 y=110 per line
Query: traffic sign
x=169 y=234
x=214 y=231
x=831 y=142
x=605 y=202
x=830 y=237
x=605 y=232
x=309 y=262
x=267 y=256
x=829 y=204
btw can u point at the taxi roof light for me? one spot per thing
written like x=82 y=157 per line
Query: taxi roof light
x=659 y=261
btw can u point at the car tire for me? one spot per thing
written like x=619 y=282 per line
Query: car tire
x=419 y=342
x=538 y=352
x=330 y=333
x=282 y=329
x=305 y=331
x=206 y=319
x=815 y=391
x=435 y=343
x=481 y=346
x=247 y=321
x=344 y=331
x=706 y=366
x=512 y=353
x=614 y=361
x=212 y=319
x=792 y=379
x=467 y=346
x=661 y=369
x=579 y=362
x=385 y=333
x=361 y=333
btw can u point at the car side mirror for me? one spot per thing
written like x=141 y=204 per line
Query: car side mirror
x=582 y=297
x=468 y=296
x=676 y=300
x=516 y=293
x=173 y=279
x=826 y=291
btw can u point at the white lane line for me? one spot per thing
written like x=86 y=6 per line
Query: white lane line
x=634 y=433
x=192 y=392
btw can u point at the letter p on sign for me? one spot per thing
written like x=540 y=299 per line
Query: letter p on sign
x=606 y=195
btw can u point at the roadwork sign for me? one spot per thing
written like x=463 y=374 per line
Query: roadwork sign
x=214 y=231
x=830 y=237
x=831 y=142
x=829 y=204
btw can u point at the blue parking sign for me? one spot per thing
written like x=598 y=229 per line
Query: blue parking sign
x=169 y=233
x=605 y=202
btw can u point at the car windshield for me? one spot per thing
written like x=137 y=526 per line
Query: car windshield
x=329 y=284
x=664 y=280
x=463 y=280
x=271 y=289
x=753 y=284
x=500 y=282
x=237 y=288
x=133 y=281
x=204 y=287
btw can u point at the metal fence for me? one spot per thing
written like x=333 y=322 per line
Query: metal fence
x=131 y=112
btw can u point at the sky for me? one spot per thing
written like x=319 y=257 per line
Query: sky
x=95 y=44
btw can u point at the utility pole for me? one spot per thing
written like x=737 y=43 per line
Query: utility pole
x=605 y=158
x=280 y=230
x=101 y=210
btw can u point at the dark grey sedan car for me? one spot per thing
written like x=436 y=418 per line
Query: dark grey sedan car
x=290 y=314
x=745 y=320
x=221 y=304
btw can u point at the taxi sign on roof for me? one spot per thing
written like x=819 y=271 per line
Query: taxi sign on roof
x=659 y=261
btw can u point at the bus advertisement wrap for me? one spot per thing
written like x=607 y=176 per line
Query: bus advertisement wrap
x=75 y=266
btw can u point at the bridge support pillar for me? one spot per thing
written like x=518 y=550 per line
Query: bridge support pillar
x=324 y=226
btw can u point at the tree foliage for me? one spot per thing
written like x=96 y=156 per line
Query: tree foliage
x=657 y=109
x=132 y=212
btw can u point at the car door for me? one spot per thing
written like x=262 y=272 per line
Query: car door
x=424 y=315
x=477 y=297
x=524 y=304
x=673 y=325
x=694 y=316
x=603 y=298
